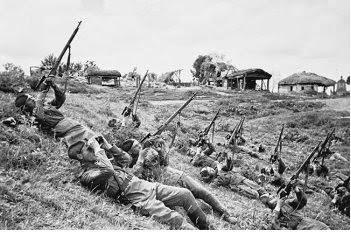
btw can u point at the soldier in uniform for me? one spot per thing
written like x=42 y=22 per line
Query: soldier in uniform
x=153 y=199
x=90 y=148
x=152 y=165
x=223 y=176
x=50 y=120
x=285 y=212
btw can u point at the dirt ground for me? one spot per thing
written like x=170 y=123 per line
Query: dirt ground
x=51 y=183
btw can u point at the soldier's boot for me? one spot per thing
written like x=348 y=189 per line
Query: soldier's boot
x=229 y=219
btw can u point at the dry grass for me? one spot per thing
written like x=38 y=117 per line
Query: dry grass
x=39 y=189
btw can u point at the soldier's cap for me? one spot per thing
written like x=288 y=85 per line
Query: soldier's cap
x=129 y=144
x=207 y=171
x=75 y=149
x=151 y=156
x=22 y=99
x=154 y=141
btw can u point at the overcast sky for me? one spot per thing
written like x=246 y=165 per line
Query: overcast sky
x=279 y=36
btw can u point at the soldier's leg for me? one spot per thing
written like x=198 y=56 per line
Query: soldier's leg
x=252 y=184
x=201 y=192
x=248 y=191
x=174 y=196
x=162 y=213
x=311 y=224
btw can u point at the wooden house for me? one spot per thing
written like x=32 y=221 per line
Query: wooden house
x=104 y=77
x=254 y=79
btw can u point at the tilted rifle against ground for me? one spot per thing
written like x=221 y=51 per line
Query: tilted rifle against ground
x=278 y=148
x=237 y=132
x=128 y=109
x=324 y=148
x=163 y=127
x=304 y=167
x=205 y=132
x=58 y=61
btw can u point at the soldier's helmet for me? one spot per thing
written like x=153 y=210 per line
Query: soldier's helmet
x=25 y=102
x=207 y=174
x=152 y=158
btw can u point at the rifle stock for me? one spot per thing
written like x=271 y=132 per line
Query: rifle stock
x=58 y=61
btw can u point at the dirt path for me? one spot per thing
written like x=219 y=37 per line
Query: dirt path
x=338 y=104
x=174 y=102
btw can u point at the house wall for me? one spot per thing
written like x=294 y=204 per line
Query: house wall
x=298 y=88
x=95 y=80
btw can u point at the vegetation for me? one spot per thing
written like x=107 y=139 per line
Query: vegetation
x=39 y=186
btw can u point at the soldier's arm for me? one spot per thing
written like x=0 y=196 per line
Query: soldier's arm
x=138 y=167
x=210 y=149
x=39 y=103
x=60 y=96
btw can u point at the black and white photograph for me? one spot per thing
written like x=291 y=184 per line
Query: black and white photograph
x=175 y=115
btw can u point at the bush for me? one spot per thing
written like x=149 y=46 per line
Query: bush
x=10 y=83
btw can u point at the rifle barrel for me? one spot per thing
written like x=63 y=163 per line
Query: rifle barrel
x=161 y=128
x=58 y=61
x=139 y=87
x=279 y=139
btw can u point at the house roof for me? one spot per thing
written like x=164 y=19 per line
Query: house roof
x=104 y=73
x=306 y=78
x=250 y=73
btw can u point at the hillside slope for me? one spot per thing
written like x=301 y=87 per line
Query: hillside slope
x=38 y=184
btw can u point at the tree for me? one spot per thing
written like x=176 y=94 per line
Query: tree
x=212 y=65
x=49 y=61
x=89 y=66
x=14 y=70
x=198 y=70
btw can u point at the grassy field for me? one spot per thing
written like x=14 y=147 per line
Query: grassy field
x=39 y=186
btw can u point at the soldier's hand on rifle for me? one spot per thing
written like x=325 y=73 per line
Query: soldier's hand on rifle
x=49 y=81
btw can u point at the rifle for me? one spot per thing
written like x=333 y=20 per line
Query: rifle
x=237 y=131
x=128 y=109
x=162 y=127
x=205 y=132
x=67 y=67
x=323 y=151
x=304 y=166
x=277 y=148
x=58 y=61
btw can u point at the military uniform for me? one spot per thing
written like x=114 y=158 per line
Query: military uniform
x=237 y=183
x=174 y=177
x=153 y=199
x=288 y=216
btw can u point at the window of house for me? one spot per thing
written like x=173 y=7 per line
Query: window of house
x=291 y=88
x=312 y=87
x=302 y=88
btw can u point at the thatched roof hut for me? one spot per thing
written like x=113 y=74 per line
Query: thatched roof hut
x=304 y=81
x=104 y=73
x=104 y=77
x=305 y=78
